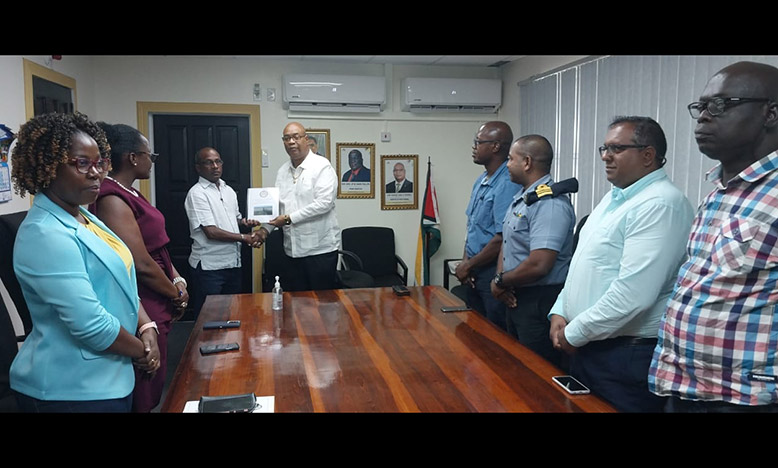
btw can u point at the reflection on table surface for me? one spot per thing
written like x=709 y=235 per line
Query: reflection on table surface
x=367 y=350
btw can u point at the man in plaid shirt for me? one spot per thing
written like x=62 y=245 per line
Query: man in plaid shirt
x=718 y=340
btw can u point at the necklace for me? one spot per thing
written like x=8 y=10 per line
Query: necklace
x=295 y=177
x=122 y=186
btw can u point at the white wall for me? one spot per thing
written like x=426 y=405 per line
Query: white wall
x=447 y=140
x=109 y=87
x=12 y=112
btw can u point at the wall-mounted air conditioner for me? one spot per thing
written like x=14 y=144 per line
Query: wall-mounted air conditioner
x=475 y=95
x=334 y=93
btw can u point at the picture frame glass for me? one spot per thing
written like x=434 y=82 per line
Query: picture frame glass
x=399 y=182
x=319 y=141
x=355 y=164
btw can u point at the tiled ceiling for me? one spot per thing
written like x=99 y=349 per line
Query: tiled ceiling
x=460 y=60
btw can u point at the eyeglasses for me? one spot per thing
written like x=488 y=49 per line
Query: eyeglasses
x=295 y=137
x=616 y=149
x=84 y=164
x=211 y=162
x=152 y=156
x=717 y=105
x=477 y=142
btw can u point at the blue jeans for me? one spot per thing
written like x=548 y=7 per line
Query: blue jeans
x=29 y=404
x=480 y=298
x=207 y=282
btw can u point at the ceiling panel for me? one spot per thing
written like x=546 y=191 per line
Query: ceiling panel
x=461 y=60
x=484 y=60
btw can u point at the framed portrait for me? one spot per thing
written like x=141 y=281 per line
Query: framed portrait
x=319 y=141
x=399 y=182
x=356 y=176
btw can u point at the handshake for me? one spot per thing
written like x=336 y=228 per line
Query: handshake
x=256 y=238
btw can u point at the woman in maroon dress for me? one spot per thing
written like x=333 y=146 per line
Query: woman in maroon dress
x=142 y=227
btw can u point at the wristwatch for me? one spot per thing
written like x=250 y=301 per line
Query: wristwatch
x=498 y=279
x=287 y=220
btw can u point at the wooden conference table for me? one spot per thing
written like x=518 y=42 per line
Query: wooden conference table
x=367 y=350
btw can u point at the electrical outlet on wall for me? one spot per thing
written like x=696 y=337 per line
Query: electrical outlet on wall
x=386 y=136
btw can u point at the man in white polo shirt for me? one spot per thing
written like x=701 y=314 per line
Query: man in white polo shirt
x=212 y=208
x=308 y=186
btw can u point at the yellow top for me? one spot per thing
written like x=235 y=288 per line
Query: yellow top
x=113 y=242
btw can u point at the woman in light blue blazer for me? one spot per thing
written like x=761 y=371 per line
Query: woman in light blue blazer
x=77 y=277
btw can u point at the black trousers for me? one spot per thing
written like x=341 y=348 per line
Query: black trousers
x=528 y=321
x=616 y=370
x=311 y=273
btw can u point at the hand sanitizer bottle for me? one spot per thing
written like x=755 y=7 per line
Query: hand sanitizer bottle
x=278 y=296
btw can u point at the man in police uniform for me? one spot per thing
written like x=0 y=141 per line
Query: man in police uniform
x=537 y=247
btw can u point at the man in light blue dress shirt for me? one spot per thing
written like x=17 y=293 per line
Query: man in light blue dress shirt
x=491 y=195
x=623 y=270
x=537 y=246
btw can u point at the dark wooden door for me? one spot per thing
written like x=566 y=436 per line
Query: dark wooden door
x=176 y=139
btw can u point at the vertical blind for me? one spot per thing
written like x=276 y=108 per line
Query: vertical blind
x=573 y=107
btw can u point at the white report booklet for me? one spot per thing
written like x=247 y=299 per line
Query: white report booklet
x=262 y=204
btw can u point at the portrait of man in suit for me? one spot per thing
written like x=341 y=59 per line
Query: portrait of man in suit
x=357 y=171
x=400 y=184
x=355 y=161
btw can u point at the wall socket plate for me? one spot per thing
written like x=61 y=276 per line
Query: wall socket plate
x=386 y=136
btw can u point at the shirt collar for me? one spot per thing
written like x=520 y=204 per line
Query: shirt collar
x=751 y=174
x=620 y=195
x=205 y=182
x=487 y=180
x=546 y=179
x=306 y=162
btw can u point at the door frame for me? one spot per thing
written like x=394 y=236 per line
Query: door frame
x=33 y=69
x=146 y=111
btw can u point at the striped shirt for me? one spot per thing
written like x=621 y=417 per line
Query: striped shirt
x=719 y=336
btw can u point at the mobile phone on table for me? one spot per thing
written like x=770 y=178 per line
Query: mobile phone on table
x=218 y=348
x=448 y=309
x=221 y=324
x=570 y=384
x=401 y=290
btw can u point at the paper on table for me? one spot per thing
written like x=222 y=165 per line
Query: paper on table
x=262 y=203
x=265 y=404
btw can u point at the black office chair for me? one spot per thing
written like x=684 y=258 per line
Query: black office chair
x=375 y=248
x=577 y=233
x=8 y=350
x=350 y=273
x=9 y=224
